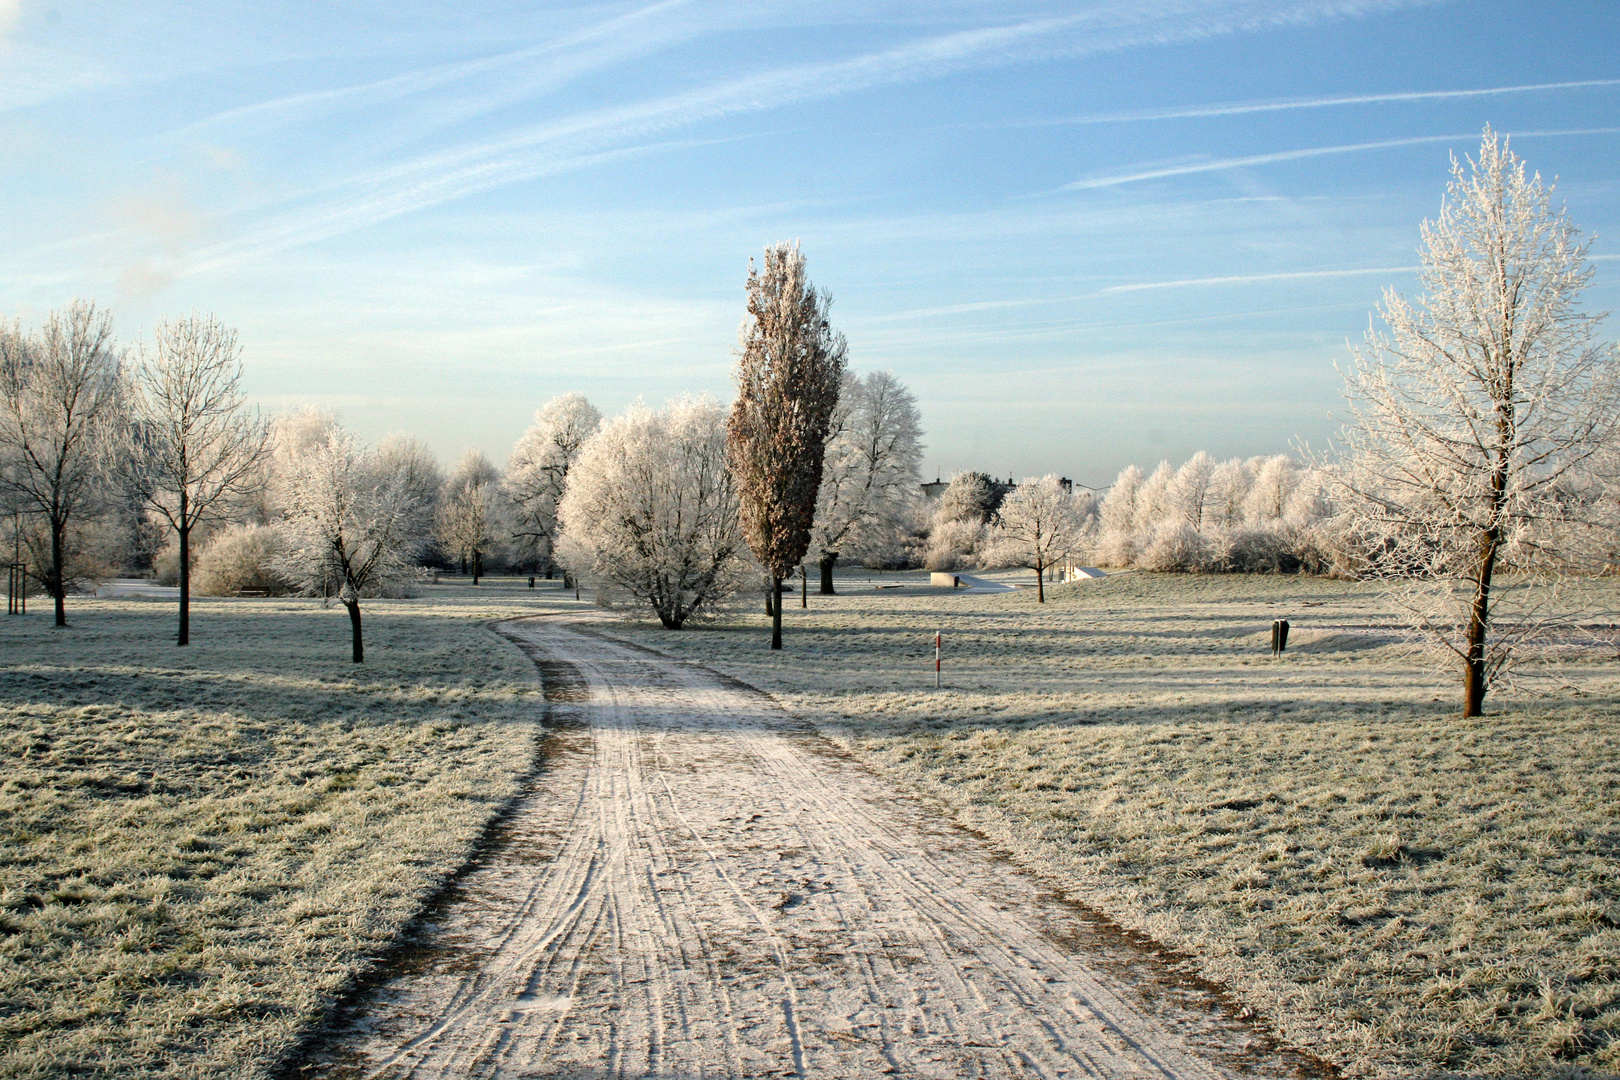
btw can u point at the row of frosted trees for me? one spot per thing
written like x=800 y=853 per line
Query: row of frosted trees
x=148 y=460
x=1261 y=515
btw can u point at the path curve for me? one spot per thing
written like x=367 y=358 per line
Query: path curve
x=697 y=885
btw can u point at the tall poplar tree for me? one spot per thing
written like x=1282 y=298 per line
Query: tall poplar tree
x=790 y=364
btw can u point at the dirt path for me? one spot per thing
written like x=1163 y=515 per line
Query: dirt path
x=699 y=886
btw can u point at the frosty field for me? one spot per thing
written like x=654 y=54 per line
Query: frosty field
x=1395 y=889
x=199 y=846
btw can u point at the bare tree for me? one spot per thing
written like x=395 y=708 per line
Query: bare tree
x=463 y=518
x=1470 y=416
x=198 y=454
x=869 y=483
x=537 y=474
x=62 y=405
x=651 y=511
x=351 y=529
x=789 y=367
x=1040 y=525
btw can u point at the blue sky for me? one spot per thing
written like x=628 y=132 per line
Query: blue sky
x=1085 y=234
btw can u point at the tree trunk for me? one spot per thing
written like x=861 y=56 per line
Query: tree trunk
x=1040 y=584
x=804 y=587
x=1478 y=622
x=354 y=626
x=58 y=579
x=770 y=608
x=828 y=558
x=776 y=613
x=477 y=566
x=185 y=585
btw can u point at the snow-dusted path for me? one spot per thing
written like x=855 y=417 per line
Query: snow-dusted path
x=698 y=886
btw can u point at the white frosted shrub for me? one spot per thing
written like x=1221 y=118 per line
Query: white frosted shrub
x=237 y=558
x=954 y=545
x=1176 y=546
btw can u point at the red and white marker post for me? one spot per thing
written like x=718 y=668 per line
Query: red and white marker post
x=936 y=659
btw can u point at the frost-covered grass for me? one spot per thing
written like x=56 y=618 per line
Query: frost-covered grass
x=200 y=846
x=1398 y=890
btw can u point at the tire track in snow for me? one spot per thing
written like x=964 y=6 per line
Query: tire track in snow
x=696 y=885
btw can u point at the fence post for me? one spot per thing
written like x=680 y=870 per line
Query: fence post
x=936 y=659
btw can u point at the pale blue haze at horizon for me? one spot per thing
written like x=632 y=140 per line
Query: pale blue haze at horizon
x=435 y=218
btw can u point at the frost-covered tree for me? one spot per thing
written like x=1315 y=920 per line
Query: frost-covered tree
x=414 y=462
x=1040 y=525
x=537 y=473
x=650 y=512
x=63 y=415
x=970 y=497
x=959 y=529
x=1273 y=485
x=870 y=481
x=463 y=519
x=1260 y=515
x=1471 y=415
x=292 y=436
x=1228 y=488
x=1153 y=504
x=1116 y=519
x=790 y=365
x=198 y=454
x=351 y=528
x=1190 y=489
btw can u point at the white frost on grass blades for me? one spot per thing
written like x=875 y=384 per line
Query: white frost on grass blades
x=697 y=887
x=196 y=855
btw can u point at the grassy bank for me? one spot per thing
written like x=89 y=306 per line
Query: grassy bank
x=199 y=846
x=1398 y=890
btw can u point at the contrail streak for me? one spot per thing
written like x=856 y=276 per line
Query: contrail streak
x=1222 y=164
x=1239 y=108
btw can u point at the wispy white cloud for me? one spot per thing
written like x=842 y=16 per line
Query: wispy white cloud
x=540 y=67
x=1222 y=164
x=1247 y=279
x=583 y=139
x=1143 y=286
x=1241 y=108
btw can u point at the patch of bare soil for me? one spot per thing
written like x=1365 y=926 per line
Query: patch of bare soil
x=697 y=885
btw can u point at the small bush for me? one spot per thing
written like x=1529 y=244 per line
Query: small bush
x=1176 y=547
x=954 y=545
x=237 y=558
